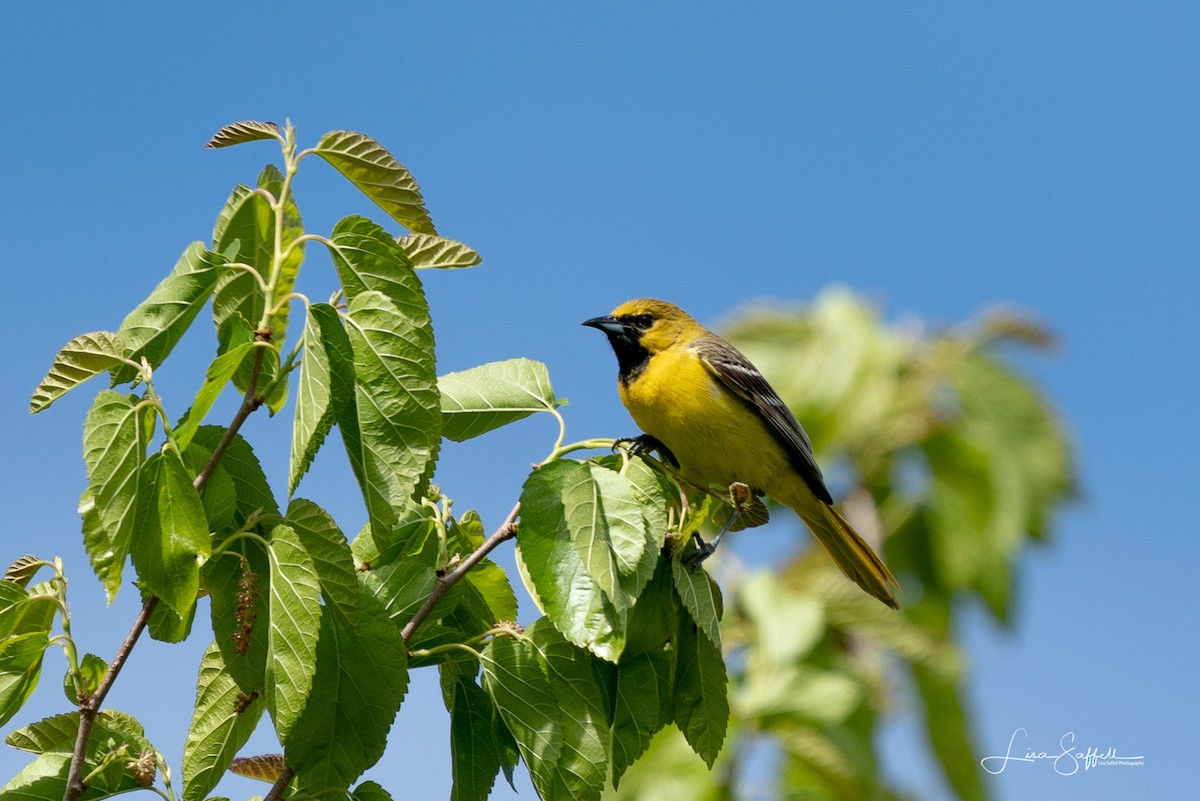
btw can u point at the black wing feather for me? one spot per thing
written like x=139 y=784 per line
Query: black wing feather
x=737 y=373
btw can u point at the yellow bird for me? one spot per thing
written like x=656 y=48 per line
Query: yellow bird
x=700 y=398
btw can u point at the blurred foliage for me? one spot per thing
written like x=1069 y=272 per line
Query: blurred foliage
x=954 y=462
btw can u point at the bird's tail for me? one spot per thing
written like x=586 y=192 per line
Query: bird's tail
x=850 y=552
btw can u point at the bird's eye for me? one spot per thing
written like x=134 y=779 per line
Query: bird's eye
x=641 y=322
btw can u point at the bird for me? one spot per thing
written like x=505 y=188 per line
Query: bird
x=697 y=396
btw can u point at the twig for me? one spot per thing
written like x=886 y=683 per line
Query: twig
x=90 y=706
x=276 y=792
x=250 y=402
x=507 y=530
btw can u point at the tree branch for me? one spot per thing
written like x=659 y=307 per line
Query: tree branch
x=507 y=530
x=250 y=402
x=90 y=707
x=276 y=792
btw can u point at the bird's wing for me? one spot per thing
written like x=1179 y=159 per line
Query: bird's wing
x=737 y=373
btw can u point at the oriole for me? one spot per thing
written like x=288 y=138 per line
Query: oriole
x=712 y=409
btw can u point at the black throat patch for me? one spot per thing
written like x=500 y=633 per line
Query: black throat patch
x=632 y=356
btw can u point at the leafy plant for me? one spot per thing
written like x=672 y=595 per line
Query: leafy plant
x=956 y=462
x=302 y=618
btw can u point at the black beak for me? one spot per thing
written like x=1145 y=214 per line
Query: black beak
x=608 y=324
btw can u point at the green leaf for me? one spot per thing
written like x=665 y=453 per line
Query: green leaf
x=377 y=174
x=153 y=329
x=53 y=739
x=701 y=702
x=20 y=667
x=245 y=131
x=492 y=395
x=114 y=450
x=474 y=752
x=165 y=625
x=22 y=614
x=427 y=251
x=514 y=675
x=700 y=596
x=91 y=671
x=84 y=356
x=250 y=485
x=397 y=404
x=46 y=734
x=370 y=791
x=174 y=540
x=361 y=678
x=246 y=226
x=368 y=259
x=401 y=588
x=643 y=707
x=216 y=377
x=295 y=610
x=484 y=592
x=223 y=721
x=326 y=544
x=315 y=412
x=555 y=575
x=546 y=692
x=238 y=580
x=585 y=549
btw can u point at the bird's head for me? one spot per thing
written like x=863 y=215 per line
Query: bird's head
x=638 y=329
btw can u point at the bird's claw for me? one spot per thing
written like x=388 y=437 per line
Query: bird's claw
x=696 y=557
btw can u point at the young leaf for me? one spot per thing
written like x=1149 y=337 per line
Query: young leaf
x=21 y=614
x=222 y=723
x=247 y=226
x=360 y=680
x=20 y=667
x=397 y=403
x=701 y=686
x=326 y=545
x=295 y=612
x=427 y=251
x=83 y=357
x=114 y=450
x=244 y=131
x=377 y=174
x=174 y=540
x=492 y=395
x=215 y=378
x=315 y=411
x=153 y=329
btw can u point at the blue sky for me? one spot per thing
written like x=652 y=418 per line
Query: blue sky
x=939 y=158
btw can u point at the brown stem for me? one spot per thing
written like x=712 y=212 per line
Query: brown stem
x=507 y=530
x=250 y=402
x=90 y=707
x=276 y=792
